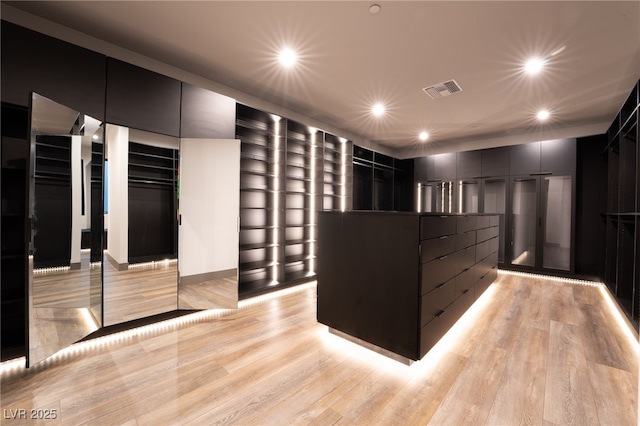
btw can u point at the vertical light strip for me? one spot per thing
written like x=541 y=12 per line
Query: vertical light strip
x=450 y=197
x=312 y=203
x=442 y=205
x=419 y=198
x=460 y=197
x=276 y=192
x=343 y=175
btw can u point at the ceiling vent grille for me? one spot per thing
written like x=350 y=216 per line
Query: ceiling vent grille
x=443 y=89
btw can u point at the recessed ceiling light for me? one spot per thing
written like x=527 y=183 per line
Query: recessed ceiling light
x=534 y=66
x=378 y=109
x=374 y=8
x=287 y=57
x=543 y=114
x=423 y=136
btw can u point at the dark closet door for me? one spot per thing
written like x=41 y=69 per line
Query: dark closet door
x=541 y=222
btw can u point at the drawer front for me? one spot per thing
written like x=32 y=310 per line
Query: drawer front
x=482 y=250
x=437 y=272
x=436 y=301
x=465 y=281
x=466 y=259
x=487 y=233
x=484 y=222
x=466 y=223
x=465 y=240
x=485 y=282
x=494 y=221
x=437 y=226
x=494 y=245
x=433 y=331
x=437 y=247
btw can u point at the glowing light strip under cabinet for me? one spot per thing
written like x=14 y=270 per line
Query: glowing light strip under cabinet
x=276 y=187
x=17 y=365
x=312 y=204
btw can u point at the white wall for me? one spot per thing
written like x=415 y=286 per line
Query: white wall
x=117 y=219
x=209 y=205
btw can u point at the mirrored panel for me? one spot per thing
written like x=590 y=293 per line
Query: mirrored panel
x=65 y=211
x=557 y=222
x=140 y=268
x=495 y=201
x=209 y=231
x=524 y=215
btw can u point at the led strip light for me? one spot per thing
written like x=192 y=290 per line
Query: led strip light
x=312 y=203
x=276 y=187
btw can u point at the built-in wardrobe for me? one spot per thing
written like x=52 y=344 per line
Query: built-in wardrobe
x=620 y=212
x=530 y=186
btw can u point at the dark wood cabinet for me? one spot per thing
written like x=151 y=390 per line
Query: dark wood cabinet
x=34 y=62
x=399 y=281
x=495 y=162
x=622 y=215
x=469 y=164
x=558 y=156
x=524 y=159
x=142 y=99
x=444 y=167
x=206 y=114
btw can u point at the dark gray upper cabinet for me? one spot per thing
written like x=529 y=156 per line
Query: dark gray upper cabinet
x=142 y=99
x=525 y=158
x=445 y=167
x=495 y=162
x=206 y=114
x=558 y=156
x=469 y=164
x=68 y=74
x=423 y=167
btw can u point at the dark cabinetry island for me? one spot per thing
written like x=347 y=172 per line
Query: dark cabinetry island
x=399 y=281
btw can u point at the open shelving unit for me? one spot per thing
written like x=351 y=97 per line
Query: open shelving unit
x=622 y=250
x=287 y=172
x=381 y=182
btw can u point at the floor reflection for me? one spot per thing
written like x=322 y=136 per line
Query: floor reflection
x=140 y=291
x=212 y=294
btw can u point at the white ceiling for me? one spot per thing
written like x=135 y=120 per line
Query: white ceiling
x=350 y=58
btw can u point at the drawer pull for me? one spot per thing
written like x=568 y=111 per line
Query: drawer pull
x=439 y=314
x=444 y=237
x=440 y=286
x=442 y=257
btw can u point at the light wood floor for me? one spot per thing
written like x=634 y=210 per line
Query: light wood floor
x=534 y=352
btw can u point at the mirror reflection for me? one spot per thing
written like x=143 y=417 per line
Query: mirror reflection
x=209 y=214
x=141 y=275
x=65 y=210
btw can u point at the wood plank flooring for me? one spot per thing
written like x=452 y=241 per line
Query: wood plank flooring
x=533 y=351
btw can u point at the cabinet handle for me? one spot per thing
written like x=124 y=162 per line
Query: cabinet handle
x=439 y=313
x=444 y=237
x=440 y=286
x=442 y=257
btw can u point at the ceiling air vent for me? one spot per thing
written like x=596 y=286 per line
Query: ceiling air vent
x=443 y=89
